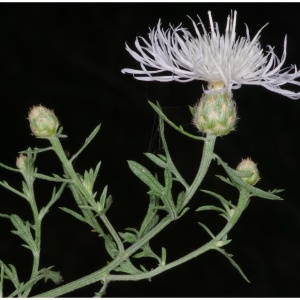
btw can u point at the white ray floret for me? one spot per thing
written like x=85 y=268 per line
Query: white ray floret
x=225 y=61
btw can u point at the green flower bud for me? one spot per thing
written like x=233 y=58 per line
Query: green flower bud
x=43 y=122
x=249 y=166
x=21 y=162
x=215 y=114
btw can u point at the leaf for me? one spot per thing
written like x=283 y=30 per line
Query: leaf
x=128 y=237
x=210 y=207
x=11 y=273
x=23 y=231
x=110 y=246
x=162 y=157
x=156 y=160
x=163 y=256
x=128 y=267
x=151 y=218
x=226 y=204
x=206 y=229
x=143 y=174
x=146 y=251
x=54 y=276
x=87 y=141
x=90 y=178
x=192 y=110
x=168 y=181
x=74 y=214
x=226 y=180
x=240 y=183
x=183 y=212
x=180 y=199
x=229 y=257
x=102 y=200
x=178 y=128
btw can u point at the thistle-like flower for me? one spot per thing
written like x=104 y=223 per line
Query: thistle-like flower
x=225 y=61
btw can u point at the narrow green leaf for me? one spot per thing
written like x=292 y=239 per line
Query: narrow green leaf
x=156 y=160
x=226 y=204
x=103 y=198
x=226 y=180
x=163 y=256
x=87 y=141
x=162 y=157
x=146 y=251
x=128 y=267
x=7 y=186
x=255 y=191
x=180 y=199
x=1 y=280
x=54 y=276
x=143 y=174
x=178 y=128
x=23 y=231
x=110 y=246
x=206 y=229
x=25 y=189
x=192 y=110
x=5 y=216
x=183 y=212
x=229 y=257
x=151 y=218
x=168 y=180
x=11 y=273
x=74 y=214
x=143 y=269
x=132 y=230
x=211 y=207
x=128 y=237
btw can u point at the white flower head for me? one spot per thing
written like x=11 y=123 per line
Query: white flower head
x=225 y=61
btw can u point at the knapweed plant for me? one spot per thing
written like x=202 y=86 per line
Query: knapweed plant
x=225 y=62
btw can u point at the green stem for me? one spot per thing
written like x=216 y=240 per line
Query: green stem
x=98 y=275
x=207 y=155
x=71 y=172
x=37 y=232
x=104 y=272
x=242 y=204
x=113 y=233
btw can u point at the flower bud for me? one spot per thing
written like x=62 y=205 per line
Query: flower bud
x=43 y=122
x=215 y=114
x=21 y=162
x=249 y=166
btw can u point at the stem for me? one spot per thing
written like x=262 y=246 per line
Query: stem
x=37 y=232
x=104 y=272
x=243 y=202
x=71 y=172
x=98 y=275
x=207 y=155
x=113 y=233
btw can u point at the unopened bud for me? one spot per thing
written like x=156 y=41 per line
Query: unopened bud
x=215 y=114
x=43 y=122
x=21 y=162
x=248 y=165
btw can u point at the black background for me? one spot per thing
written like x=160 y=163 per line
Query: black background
x=68 y=57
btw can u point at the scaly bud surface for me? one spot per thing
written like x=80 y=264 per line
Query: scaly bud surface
x=43 y=122
x=215 y=114
x=249 y=166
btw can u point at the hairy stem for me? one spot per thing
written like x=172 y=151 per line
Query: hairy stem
x=102 y=273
